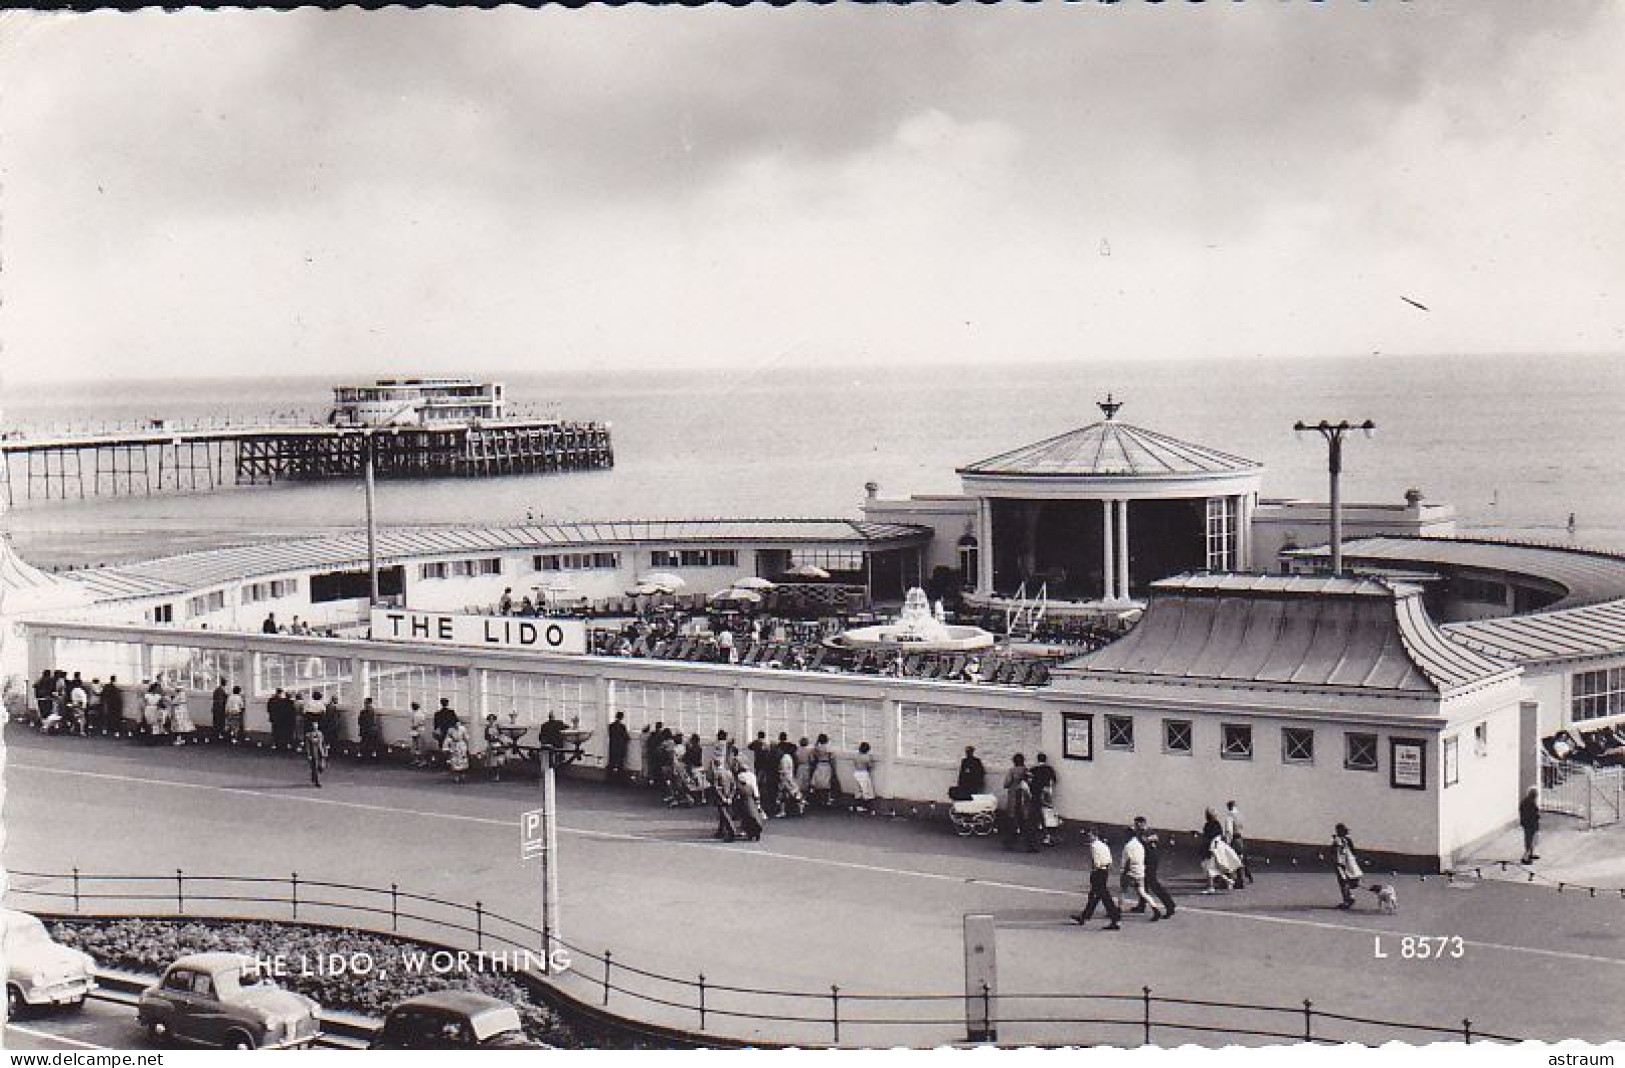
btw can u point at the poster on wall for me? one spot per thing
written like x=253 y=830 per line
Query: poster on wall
x=1078 y=736
x=1408 y=764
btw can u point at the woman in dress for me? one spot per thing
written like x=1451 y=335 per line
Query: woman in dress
x=154 y=706
x=456 y=747
x=1348 y=865
x=791 y=802
x=804 y=752
x=180 y=717
x=748 y=801
x=1214 y=848
x=496 y=748
x=821 y=781
x=863 y=780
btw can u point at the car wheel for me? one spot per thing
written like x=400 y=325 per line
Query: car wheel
x=240 y=1040
x=15 y=1005
x=158 y=1031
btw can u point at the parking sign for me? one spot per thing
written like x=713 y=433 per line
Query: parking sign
x=532 y=839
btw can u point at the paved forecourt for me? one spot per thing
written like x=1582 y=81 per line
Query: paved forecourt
x=871 y=905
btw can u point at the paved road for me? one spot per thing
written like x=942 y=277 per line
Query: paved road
x=99 y=1025
x=872 y=905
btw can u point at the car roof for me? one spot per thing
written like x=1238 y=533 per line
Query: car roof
x=10 y=915
x=468 y=1002
x=212 y=962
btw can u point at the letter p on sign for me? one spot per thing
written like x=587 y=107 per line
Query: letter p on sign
x=532 y=838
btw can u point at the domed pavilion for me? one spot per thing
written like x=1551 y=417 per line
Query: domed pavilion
x=1092 y=517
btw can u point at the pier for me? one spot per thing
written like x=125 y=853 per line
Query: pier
x=159 y=459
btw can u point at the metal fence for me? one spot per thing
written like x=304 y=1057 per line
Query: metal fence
x=603 y=983
x=1595 y=795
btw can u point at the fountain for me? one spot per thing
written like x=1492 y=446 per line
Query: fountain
x=920 y=628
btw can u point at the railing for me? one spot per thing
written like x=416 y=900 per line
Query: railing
x=713 y=1011
x=1595 y=795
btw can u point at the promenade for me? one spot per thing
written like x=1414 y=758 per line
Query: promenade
x=871 y=905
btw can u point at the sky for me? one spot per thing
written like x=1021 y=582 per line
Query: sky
x=235 y=193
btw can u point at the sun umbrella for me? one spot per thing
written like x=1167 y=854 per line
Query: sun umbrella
x=737 y=596
x=753 y=583
x=671 y=582
x=807 y=571
x=649 y=589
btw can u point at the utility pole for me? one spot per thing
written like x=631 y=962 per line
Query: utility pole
x=372 y=520
x=1333 y=433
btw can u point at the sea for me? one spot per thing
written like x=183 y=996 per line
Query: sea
x=1516 y=444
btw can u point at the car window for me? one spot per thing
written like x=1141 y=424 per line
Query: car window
x=179 y=979
x=408 y=1028
x=203 y=985
x=455 y=1031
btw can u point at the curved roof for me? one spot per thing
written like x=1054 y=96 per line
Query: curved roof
x=1296 y=632
x=1587 y=575
x=212 y=567
x=1570 y=633
x=1110 y=448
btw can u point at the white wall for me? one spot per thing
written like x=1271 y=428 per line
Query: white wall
x=1484 y=799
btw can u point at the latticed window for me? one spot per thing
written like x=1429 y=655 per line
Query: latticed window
x=1176 y=736
x=1598 y=694
x=1236 y=741
x=1360 y=752
x=1222 y=521
x=1297 y=745
x=1119 y=732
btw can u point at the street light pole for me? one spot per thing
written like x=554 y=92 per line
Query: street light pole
x=1333 y=433
x=549 y=857
x=372 y=519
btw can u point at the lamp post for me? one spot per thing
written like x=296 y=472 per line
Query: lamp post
x=372 y=519
x=1333 y=433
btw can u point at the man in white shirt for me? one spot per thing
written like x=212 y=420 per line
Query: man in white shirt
x=1235 y=837
x=1100 y=891
x=1134 y=878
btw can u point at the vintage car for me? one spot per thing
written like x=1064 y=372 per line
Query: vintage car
x=40 y=971
x=224 y=999
x=452 y=1019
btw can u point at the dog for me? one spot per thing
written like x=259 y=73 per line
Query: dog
x=1387 y=898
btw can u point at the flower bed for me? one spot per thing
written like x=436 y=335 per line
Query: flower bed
x=147 y=945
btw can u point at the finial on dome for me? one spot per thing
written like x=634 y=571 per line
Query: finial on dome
x=1109 y=406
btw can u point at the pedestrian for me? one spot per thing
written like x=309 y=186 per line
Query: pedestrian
x=456 y=747
x=804 y=752
x=1153 y=863
x=180 y=717
x=154 y=708
x=419 y=735
x=78 y=706
x=44 y=696
x=1529 y=819
x=315 y=751
x=505 y=605
x=112 y=706
x=1100 y=891
x=333 y=723
x=723 y=790
x=217 y=709
x=1043 y=778
x=791 y=802
x=651 y=755
x=972 y=776
x=1348 y=865
x=620 y=741
x=748 y=801
x=693 y=770
x=1021 y=823
x=369 y=731
x=236 y=709
x=445 y=718
x=1133 y=865
x=1216 y=854
x=765 y=767
x=1235 y=836
x=279 y=708
x=821 y=778
x=269 y=626
x=863 y=780
x=496 y=748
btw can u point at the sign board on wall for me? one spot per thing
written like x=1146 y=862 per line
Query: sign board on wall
x=1408 y=764
x=484 y=632
x=1077 y=736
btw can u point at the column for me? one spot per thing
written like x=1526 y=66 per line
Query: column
x=1108 y=570
x=1122 y=550
x=1244 y=532
x=984 y=548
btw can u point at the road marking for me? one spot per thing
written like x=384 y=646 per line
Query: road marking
x=30 y=1032
x=850 y=865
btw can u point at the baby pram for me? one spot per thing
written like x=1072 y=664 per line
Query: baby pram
x=976 y=814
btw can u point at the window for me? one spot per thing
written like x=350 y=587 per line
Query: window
x=1598 y=694
x=179 y=979
x=274 y=590
x=694 y=558
x=1078 y=736
x=1452 y=761
x=969 y=561
x=490 y=565
x=1297 y=745
x=577 y=561
x=1360 y=752
x=1236 y=741
x=162 y=613
x=437 y=570
x=1221 y=533
x=829 y=559
x=1120 y=732
x=1481 y=739
x=351 y=585
x=203 y=604
x=1176 y=736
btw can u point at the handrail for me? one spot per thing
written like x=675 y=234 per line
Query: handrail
x=182 y=890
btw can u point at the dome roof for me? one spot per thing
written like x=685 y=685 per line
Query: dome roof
x=1111 y=448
